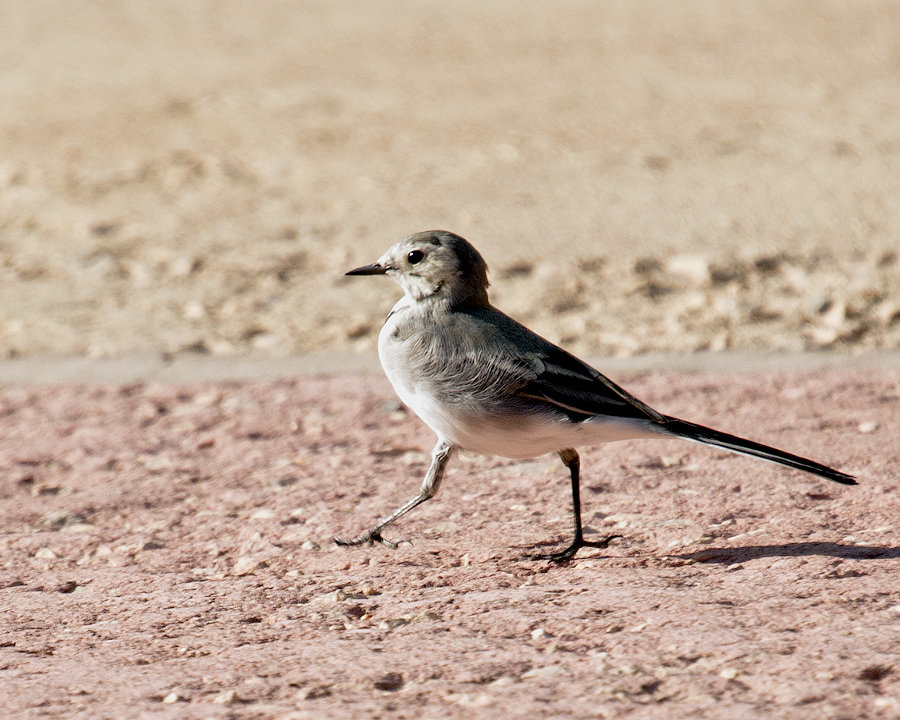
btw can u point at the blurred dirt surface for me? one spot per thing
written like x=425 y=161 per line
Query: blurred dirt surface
x=640 y=176
x=165 y=552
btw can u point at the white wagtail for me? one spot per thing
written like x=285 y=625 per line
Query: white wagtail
x=487 y=384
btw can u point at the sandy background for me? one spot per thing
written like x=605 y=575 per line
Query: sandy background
x=195 y=177
x=165 y=553
x=182 y=186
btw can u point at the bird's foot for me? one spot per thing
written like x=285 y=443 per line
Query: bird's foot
x=577 y=544
x=369 y=538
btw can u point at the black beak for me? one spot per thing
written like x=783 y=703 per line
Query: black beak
x=373 y=269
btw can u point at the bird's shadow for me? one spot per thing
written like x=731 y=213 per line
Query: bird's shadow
x=731 y=555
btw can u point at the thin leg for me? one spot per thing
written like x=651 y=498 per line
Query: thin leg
x=439 y=458
x=570 y=460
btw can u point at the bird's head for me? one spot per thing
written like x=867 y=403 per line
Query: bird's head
x=434 y=264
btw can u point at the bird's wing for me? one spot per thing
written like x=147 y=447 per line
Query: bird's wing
x=582 y=392
x=493 y=356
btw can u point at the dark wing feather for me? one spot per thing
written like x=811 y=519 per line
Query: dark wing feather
x=582 y=392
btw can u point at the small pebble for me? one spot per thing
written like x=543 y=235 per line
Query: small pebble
x=389 y=682
x=229 y=697
x=244 y=565
x=393 y=623
x=315 y=692
x=875 y=673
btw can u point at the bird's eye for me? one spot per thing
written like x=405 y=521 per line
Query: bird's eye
x=415 y=257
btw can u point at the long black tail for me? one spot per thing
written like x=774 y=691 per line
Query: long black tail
x=708 y=436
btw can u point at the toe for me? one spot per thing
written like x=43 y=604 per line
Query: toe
x=600 y=543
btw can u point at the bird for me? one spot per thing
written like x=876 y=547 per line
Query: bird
x=485 y=383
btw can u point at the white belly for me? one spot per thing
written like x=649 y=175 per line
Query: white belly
x=520 y=436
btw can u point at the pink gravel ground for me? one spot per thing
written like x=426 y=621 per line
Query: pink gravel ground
x=165 y=552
